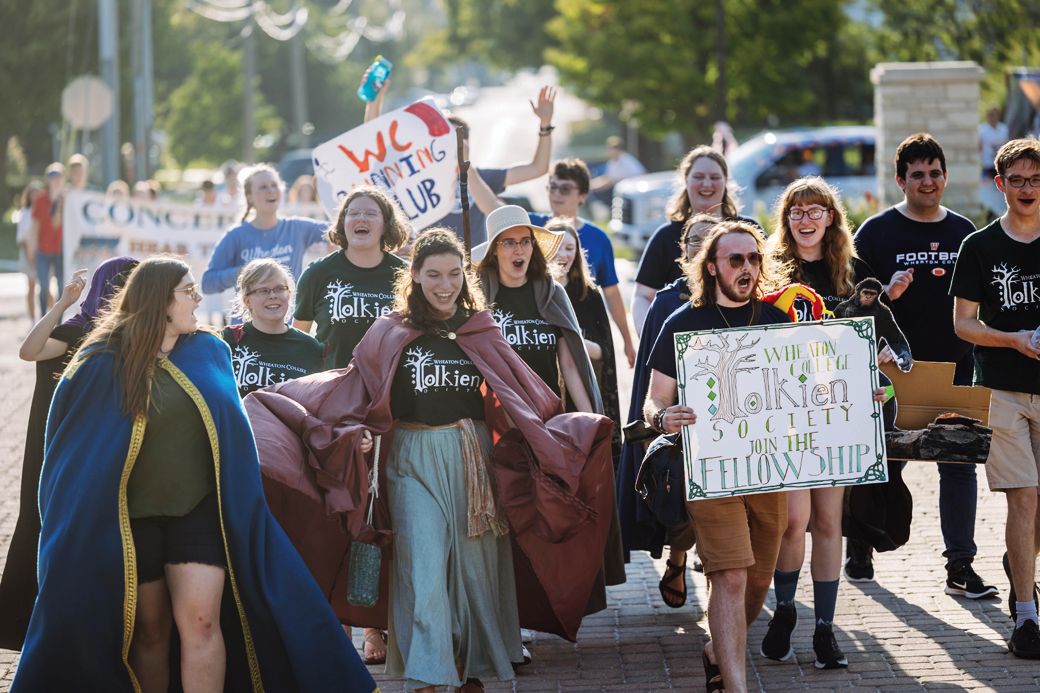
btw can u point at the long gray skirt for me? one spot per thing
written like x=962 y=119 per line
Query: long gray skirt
x=452 y=598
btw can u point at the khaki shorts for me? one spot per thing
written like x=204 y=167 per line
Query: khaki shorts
x=739 y=532
x=1014 y=452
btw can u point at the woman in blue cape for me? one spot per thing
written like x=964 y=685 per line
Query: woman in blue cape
x=153 y=515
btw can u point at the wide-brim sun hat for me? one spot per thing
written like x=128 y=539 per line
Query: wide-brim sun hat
x=509 y=217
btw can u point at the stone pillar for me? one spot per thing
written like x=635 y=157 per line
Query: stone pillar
x=940 y=98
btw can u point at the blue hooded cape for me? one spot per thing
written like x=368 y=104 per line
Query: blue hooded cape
x=640 y=530
x=284 y=634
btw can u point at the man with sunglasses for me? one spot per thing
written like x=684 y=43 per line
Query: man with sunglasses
x=996 y=290
x=568 y=189
x=738 y=538
x=914 y=246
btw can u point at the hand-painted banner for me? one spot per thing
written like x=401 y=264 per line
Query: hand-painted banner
x=96 y=227
x=410 y=153
x=781 y=407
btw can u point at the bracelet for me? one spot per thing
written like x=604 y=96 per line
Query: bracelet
x=545 y=130
x=658 y=420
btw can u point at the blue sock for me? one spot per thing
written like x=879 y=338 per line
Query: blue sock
x=825 y=599
x=1025 y=611
x=785 y=584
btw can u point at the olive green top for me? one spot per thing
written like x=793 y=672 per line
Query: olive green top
x=174 y=469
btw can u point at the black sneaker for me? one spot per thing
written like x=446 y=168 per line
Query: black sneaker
x=1012 y=598
x=859 y=568
x=828 y=654
x=1025 y=641
x=963 y=581
x=777 y=643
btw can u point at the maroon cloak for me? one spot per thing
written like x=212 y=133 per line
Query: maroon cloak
x=553 y=472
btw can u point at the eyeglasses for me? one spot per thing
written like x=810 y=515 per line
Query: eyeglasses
x=273 y=291
x=363 y=214
x=512 y=243
x=1020 y=181
x=737 y=260
x=562 y=188
x=814 y=213
x=192 y=290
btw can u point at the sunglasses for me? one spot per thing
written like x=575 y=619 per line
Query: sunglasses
x=737 y=260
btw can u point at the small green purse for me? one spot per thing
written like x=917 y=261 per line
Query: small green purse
x=366 y=559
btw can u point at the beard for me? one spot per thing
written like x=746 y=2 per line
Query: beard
x=734 y=292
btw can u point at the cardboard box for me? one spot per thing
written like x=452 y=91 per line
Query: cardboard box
x=928 y=391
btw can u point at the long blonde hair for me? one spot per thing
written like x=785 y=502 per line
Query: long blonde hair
x=134 y=326
x=838 y=249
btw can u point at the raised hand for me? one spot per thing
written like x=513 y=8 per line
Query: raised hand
x=546 y=103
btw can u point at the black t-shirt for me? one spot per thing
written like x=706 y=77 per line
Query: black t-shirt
x=692 y=319
x=435 y=382
x=1002 y=275
x=344 y=300
x=658 y=266
x=817 y=276
x=531 y=337
x=890 y=242
x=260 y=359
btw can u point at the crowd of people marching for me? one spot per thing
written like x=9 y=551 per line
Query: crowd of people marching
x=438 y=431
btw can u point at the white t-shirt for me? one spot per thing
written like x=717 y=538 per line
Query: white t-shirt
x=625 y=166
x=992 y=138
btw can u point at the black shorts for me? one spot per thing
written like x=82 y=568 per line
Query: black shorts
x=192 y=538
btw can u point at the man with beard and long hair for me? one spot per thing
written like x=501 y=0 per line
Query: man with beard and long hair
x=737 y=538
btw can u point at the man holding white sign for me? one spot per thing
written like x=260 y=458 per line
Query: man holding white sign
x=785 y=407
x=737 y=538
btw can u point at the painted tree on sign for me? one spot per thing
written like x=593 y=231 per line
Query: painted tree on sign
x=724 y=371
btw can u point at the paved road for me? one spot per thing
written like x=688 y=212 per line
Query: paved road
x=901 y=633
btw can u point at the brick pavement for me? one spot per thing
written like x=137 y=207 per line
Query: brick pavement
x=901 y=633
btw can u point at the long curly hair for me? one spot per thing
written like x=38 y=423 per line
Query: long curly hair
x=395 y=223
x=134 y=325
x=838 y=249
x=702 y=282
x=679 y=207
x=410 y=301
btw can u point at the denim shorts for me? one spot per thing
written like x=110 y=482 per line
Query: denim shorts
x=191 y=538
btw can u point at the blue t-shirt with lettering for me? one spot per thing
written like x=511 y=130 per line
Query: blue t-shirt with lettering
x=287 y=242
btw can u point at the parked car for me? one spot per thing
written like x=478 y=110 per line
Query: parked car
x=759 y=171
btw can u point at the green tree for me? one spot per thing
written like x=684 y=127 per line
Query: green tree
x=785 y=61
x=204 y=120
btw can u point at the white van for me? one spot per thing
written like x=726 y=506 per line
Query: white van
x=759 y=170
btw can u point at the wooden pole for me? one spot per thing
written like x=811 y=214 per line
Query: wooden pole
x=463 y=190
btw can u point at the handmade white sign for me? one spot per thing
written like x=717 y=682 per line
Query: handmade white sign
x=781 y=407
x=410 y=153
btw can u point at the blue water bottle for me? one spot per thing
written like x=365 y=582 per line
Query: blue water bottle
x=378 y=73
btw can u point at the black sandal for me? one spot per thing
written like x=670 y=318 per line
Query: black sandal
x=672 y=571
x=712 y=675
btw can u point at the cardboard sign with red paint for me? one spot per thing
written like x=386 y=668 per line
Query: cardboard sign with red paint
x=410 y=153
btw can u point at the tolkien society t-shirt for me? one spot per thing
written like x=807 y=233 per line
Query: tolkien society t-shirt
x=531 y=337
x=1002 y=275
x=436 y=383
x=260 y=359
x=344 y=300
